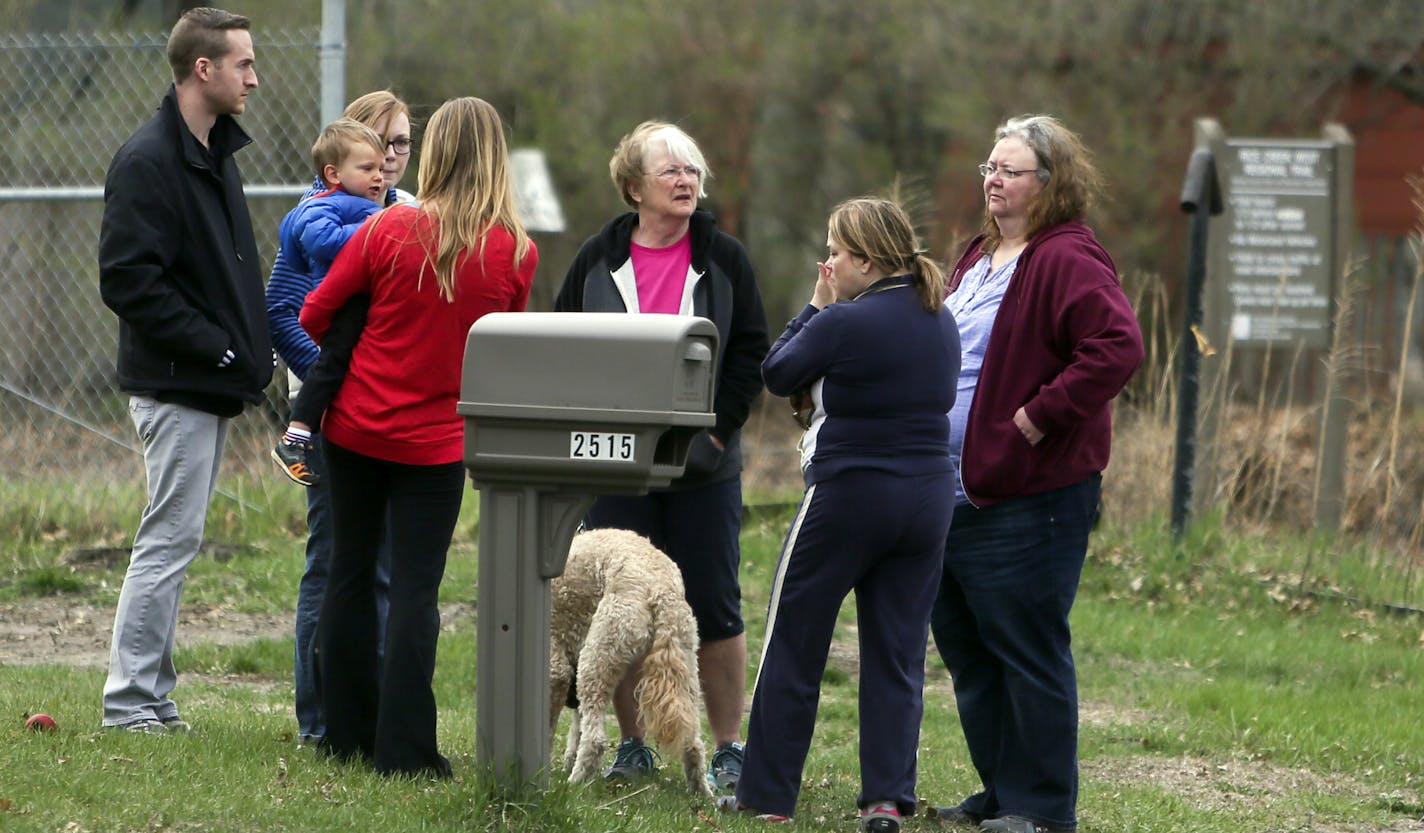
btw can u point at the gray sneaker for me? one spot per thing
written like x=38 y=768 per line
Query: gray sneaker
x=1020 y=824
x=633 y=761
x=727 y=767
x=954 y=815
x=176 y=725
x=146 y=726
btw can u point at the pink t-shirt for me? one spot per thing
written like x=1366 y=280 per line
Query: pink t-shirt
x=661 y=275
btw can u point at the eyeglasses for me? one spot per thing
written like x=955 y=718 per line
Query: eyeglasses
x=1007 y=173
x=671 y=173
x=400 y=144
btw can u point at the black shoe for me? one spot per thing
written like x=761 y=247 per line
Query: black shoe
x=954 y=815
x=1019 y=824
x=292 y=457
x=632 y=762
x=438 y=770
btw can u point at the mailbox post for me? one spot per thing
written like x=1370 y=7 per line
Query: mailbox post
x=560 y=407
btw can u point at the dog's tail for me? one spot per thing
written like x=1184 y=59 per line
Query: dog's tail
x=670 y=695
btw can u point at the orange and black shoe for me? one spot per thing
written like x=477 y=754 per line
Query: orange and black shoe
x=292 y=457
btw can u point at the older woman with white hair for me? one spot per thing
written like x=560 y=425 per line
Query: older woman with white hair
x=667 y=256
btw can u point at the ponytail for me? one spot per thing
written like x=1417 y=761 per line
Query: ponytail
x=929 y=281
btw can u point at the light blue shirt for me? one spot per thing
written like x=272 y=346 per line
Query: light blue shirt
x=974 y=305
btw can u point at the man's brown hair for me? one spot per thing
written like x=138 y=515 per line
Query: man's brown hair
x=201 y=33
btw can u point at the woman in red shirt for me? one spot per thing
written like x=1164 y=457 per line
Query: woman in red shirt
x=392 y=439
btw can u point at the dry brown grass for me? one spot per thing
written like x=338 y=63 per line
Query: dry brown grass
x=1265 y=469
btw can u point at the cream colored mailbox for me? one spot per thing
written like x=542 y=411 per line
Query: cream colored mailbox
x=560 y=407
x=599 y=400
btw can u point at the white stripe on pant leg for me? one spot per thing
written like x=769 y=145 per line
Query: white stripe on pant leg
x=782 y=564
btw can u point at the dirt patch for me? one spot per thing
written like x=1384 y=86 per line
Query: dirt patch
x=57 y=630
x=1241 y=786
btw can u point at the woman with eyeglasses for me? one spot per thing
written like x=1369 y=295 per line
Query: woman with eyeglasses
x=1049 y=339
x=290 y=283
x=668 y=257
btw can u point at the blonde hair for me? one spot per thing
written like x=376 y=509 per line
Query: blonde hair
x=338 y=139
x=464 y=186
x=626 y=166
x=372 y=107
x=880 y=231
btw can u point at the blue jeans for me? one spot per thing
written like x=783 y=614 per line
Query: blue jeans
x=1000 y=622
x=182 y=449
x=310 y=592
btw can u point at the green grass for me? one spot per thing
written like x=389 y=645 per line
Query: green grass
x=1217 y=697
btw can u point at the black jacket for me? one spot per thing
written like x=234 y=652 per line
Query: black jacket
x=726 y=293
x=178 y=263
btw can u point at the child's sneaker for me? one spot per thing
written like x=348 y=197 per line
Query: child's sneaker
x=292 y=457
x=880 y=817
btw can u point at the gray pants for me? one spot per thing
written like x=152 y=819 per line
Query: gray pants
x=182 y=448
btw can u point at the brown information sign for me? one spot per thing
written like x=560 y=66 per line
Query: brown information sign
x=1275 y=257
x=1277 y=265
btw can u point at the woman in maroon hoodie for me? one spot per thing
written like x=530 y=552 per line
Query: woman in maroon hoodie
x=1048 y=340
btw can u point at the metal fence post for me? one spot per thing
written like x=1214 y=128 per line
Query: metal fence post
x=333 y=60
x=1201 y=198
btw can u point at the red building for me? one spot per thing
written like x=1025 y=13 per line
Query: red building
x=1388 y=128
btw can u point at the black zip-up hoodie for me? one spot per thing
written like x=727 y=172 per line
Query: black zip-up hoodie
x=178 y=263
x=726 y=293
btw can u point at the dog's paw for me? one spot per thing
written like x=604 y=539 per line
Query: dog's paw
x=699 y=784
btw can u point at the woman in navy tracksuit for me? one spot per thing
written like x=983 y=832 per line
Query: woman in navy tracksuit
x=879 y=355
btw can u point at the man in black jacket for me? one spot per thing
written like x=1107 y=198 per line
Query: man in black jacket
x=178 y=264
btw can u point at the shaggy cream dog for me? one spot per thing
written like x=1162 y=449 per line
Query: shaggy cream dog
x=620 y=600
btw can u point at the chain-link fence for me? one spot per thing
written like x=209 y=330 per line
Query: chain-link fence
x=66 y=104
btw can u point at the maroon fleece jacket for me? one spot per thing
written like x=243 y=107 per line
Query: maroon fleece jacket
x=1064 y=343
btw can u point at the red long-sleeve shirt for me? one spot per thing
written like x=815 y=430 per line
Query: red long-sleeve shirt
x=398 y=400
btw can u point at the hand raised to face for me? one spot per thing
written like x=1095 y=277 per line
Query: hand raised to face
x=825 y=291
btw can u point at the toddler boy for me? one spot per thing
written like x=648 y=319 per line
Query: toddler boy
x=348 y=157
